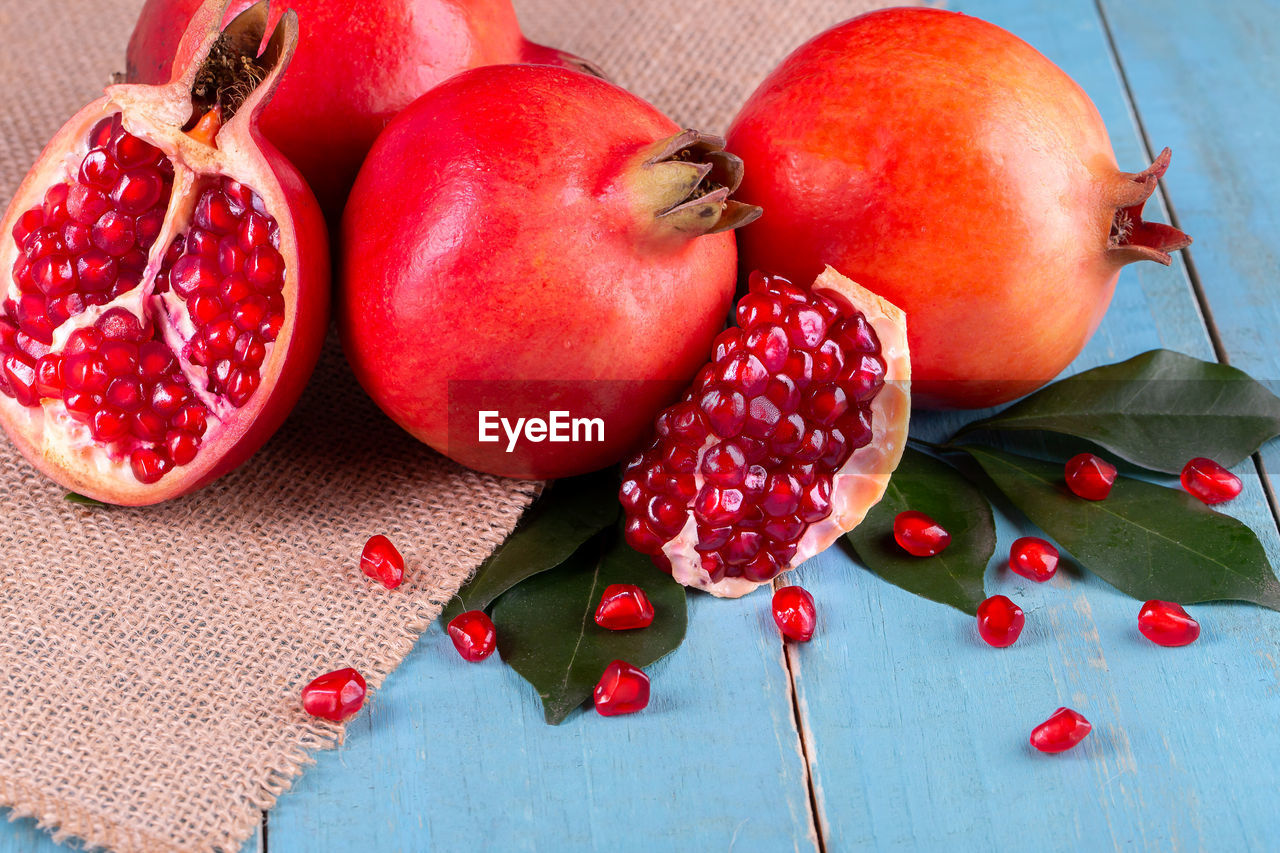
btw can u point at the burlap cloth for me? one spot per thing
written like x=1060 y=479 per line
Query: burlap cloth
x=150 y=660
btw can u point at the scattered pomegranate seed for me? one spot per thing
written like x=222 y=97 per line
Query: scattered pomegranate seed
x=1033 y=558
x=381 y=561
x=1090 y=476
x=794 y=613
x=335 y=696
x=1167 y=624
x=1209 y=481
x=473 y=635
x=1064 y=729
x=623 y=689
x=624 y=607
x=919 y=535
x=1000 y=621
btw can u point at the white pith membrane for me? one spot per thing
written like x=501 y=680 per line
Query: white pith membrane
x=65 y=448
x=860 y=482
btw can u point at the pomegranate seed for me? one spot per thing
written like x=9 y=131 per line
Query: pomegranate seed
x=148 y=465
x=381 y=561
x=622 y=689
x=1090 y=476
x=1167 y=624
x=919 y=535
x=1000 y=621
x=335 y=696
x=1034 y=559
x=473 y=635
x=794 y=613
x=1064 y=729
x=1209 y=481
x=624 y=607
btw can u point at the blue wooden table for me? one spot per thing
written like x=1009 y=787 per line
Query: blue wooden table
x=896 y=728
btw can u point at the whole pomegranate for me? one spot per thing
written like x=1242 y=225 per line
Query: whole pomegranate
x=783 y=442
x=165 y=278
x=357 y=65
x=949 y=167
x=535 y=261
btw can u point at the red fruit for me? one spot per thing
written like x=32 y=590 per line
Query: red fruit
x=1090 y=476
x=384 y=54
x=807 y=450
x=335 y=696
x=949 y=167
x=623 y=689
x=624 y=607
x=919 y=535
x=1034 y=559
x=135 y=399
x=1000 y=621
x=473 y=635
x=794 y=613
x=1209 y=481
x=1167 y=624
x=593 y=291
x=1063 y=730
x=381 y=561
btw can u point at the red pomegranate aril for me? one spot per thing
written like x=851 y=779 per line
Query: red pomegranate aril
x=154 y=361
x=191 y=419
x=794 y=613
x=335 y=696
x=381 y=561
x=86 y=371
x=148 y=464
x=147 y=425
x=919 y=535
x=130 y=151
x=114 y=234
x=1167 y=624
x=49 y=376
x=1063 y=730
x=125 y=395
x=240 y=386
x=182 y=447
x=622 y=689
x=214 y=213
x=99 y=171
x=1033 y=558
x=108 y=425
x=264 y=268
x=473 y=635
x=1210 y=482
x=1090 y=476
x=138 y=191
x=1000 y=621
x=624 y=607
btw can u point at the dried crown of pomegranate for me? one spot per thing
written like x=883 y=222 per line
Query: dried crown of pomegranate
x=165 y=284
x=785 y=440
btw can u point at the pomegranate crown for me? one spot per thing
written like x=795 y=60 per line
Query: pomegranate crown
x=688 y=181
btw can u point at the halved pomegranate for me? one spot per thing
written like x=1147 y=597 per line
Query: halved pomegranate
x=165 y=278
x=783 y=442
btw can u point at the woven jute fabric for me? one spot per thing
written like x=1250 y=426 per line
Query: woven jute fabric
x=150 y=659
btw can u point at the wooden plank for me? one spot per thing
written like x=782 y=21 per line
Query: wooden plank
x=455 y=756
x=23 y=836
x=917 y=731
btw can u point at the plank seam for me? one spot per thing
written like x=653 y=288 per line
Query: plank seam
x=798 y=721
x=1188 y=258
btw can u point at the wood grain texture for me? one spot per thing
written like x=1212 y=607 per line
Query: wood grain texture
x=917 y=730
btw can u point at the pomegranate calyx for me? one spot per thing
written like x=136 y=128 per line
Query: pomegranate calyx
x=1132 y=238
x=688 y=180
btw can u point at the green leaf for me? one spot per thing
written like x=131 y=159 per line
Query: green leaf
x=1157 y=410
x=1146 y=540
x=74 y=498
x=933 y=487
x=547 y=630
x=570 y=513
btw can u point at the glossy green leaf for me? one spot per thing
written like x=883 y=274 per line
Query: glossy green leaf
x=1157 y=410
x=570 y=513
x=73 y=497
x=933 y=487
x=547 y=630
x=1145 y=540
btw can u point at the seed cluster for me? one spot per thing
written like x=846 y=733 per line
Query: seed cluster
x=86 y=245
x=753 y=447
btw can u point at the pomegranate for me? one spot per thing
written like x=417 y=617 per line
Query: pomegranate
x=1167 y=623
x=947 y=166
x=381 y=561
x=785 y=440
x=335 y=696
x=919 y=535
x=624 y=607
x=525 y=243
x=1034 y=559
x=795 y=613
x=622 y=689
x=1210 y=482
x=1089 y=476
x=356 y=67
x=1063 y=730
x=166 y=278
x=473 y=634
x=1000 y=621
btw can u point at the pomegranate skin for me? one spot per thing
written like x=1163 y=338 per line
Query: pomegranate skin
x=948 y=166
x=505 y=235
x=355 y=68
x=242 y=153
